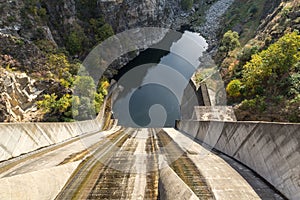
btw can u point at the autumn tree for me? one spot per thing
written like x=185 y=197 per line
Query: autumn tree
x=270 y=67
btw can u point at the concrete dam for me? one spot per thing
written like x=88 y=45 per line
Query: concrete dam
x=199 y=159
x=205 y=154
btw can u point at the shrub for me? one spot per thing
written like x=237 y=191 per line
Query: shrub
x=84 y=86
x=253 y=9
x=233 y=88
x=230 y=41
x=268 y=68
x=104 y=32
x=50 y=104
x=187 y=4
x=256 y=104
x=74 y=43
x=246 y=53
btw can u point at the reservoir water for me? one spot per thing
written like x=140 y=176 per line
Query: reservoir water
x=151 y=86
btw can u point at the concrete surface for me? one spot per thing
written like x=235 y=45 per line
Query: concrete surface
x=50 y=182
x=205 y=95
x=205 y=113
x=191 y=98
x=136 y=166
x=43 y=176
x=270 y=149
x=53 y=156
x=21 y=138
x=172 y=187
x=220 y=170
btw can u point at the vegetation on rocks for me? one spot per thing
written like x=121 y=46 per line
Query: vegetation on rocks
x=261 y=74
x=229 y=42
x=48 y=40
x=187 y=4
x=258 y=52
x=270 y=79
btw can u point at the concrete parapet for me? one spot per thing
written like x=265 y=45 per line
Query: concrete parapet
x=21 y=138
x=270 y=149
x=223 y=113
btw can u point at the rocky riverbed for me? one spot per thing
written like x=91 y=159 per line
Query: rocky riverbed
x=213 y=18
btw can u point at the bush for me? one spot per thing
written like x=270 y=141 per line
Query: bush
x=294 y=84
x=230 y=41
x=187 y=4
x=56 y=109
x=84 y=86
x=76 y=40
x=233 y=88
x=256 y=104
x=246 y=53
x=269 y=68
x=74 y=43
x=104 y=32
x=293 y=109
x=253 y=9
x=59 y=65
x=48 y=103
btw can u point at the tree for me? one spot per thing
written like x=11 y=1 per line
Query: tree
x=187 y=4
x=87 y=100
x=84 y=86
x=74 y=43
x=233 y=88
x=59 y=65
x=104 y=32
x=230 y=41
x=60 y=108
x=270 y=67
x=75 y=40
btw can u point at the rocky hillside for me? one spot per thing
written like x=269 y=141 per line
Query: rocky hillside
x=263 y=70
x=18 y=96
x=46 y=40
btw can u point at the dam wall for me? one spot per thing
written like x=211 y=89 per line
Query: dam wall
x=272 y=150
x=22 y=138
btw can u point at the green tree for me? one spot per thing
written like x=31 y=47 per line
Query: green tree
x=60 y=108
x=59 y=65
x=48 y=103
x=88 y=100
x=76 y=40
x=74 y=43
x=187 y=4
x=233 y=88
x=100 y=29
x=84 y=86
x=230 y=41
x=269 y=68
x=104 y=32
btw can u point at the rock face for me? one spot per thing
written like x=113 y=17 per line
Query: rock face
x=132 y=13
x=17 y=98
x=284 y=18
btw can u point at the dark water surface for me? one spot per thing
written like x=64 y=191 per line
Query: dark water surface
x=151 y=86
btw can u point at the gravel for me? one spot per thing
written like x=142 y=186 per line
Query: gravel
x=212 y=20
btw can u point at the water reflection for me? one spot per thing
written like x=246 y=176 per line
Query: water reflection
x=150 y=94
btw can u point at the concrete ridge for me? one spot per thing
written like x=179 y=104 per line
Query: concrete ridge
x=171 y=186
